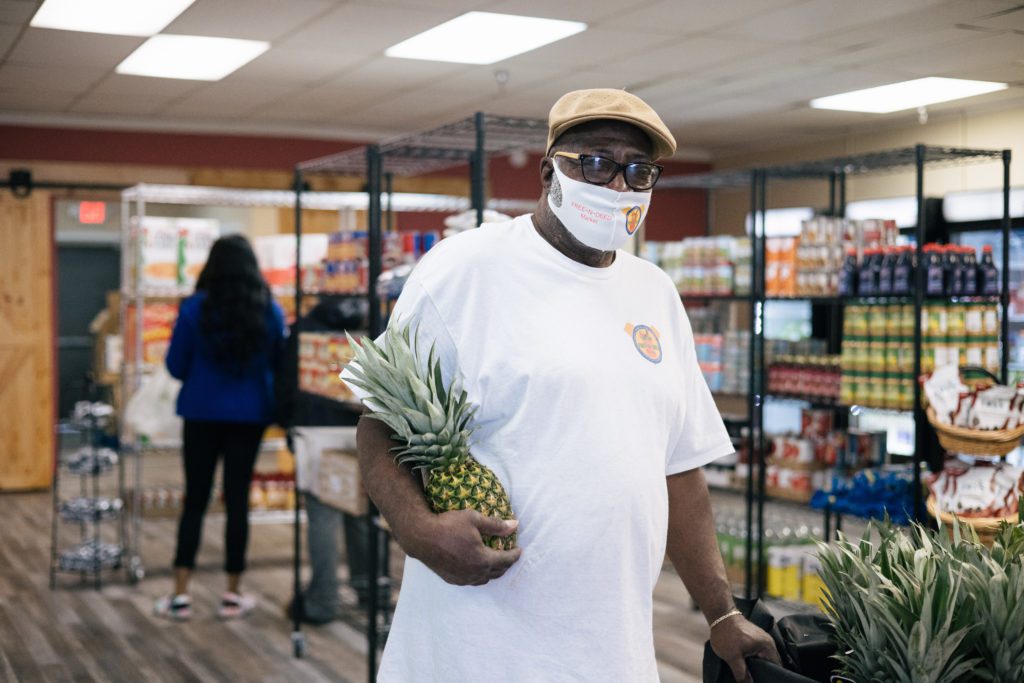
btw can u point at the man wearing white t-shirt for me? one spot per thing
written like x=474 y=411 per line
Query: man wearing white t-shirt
x=593 y=413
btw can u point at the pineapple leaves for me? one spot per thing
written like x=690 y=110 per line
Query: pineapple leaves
x=924 y=606
x=431 y=420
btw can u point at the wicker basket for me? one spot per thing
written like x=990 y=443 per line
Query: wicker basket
x=985 y=527
x=977 y=442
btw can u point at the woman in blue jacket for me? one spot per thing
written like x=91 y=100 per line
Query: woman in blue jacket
x=224 y=349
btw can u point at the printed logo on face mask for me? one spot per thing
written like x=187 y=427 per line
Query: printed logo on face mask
x=647 y=341
x=633 y=216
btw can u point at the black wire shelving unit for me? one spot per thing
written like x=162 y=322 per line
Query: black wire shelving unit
x=469 y=141
x=835 y=171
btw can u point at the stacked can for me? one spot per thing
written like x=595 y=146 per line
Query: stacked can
x=877 y=358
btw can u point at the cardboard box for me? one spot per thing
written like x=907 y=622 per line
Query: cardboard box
x=338 y=482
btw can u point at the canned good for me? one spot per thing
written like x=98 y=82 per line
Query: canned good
x=993 y=361
x=907 y=320
x=876 y=391
x=876 y=316
x=956 y=325
x=973 y=319
x=990 y=320
x=892 y=391
x=856 y=321
x=906 y=355
x=975 y=353
x=893 y=320
x=906 y=387
x=847 y=389
x=892 y=355
x=930 y=351
x=933 y=320
x=876 y=356
x=862 y=390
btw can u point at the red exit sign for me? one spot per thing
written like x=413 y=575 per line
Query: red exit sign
x=92 y=213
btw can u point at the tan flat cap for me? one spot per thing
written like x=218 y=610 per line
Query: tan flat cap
x=581 y=106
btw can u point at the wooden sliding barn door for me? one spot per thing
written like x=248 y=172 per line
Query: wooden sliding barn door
x=27 y=397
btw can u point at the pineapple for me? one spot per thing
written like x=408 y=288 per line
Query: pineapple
x=433 y=424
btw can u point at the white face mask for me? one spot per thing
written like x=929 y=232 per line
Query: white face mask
x=597 y=216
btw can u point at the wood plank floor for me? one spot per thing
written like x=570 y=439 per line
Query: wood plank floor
x=75 y=633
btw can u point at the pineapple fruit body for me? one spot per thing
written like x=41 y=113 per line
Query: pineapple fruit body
x=468 y=485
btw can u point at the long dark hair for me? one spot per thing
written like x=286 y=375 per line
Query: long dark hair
x=233 y=318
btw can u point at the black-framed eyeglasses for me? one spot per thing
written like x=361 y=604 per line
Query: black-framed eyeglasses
x=639 y=175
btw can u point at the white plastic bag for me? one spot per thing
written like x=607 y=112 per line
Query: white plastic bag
x=151 y=411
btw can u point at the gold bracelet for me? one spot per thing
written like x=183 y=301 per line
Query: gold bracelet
x=731 y=613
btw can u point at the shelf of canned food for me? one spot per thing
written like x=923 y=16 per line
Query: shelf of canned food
x=877 y=359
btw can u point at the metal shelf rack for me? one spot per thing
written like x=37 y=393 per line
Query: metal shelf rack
x=835 y=170
x=467 y=141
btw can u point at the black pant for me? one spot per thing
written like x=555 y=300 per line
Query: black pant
x=204 y=443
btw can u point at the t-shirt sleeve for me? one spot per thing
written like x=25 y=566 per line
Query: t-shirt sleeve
x=415 y=306
x=700 y=435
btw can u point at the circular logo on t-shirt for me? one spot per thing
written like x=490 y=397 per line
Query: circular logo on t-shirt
x=633 y=217
x=647 y=343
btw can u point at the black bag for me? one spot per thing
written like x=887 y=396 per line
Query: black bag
x=801 y=639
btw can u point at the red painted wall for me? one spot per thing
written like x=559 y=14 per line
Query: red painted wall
x=674 y=213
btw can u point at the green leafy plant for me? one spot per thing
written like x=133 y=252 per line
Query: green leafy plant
x=920 y=606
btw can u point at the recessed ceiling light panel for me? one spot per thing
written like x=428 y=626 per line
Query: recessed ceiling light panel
x=906 y=95
x=198 y=58
x=484 y=38
x=117 y=17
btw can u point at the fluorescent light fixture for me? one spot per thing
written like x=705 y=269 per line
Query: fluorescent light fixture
x=116 y=17
x=901 y=209
x=197 y=58
x=906 y=95
x=484 y=38
x=783 y=222
x=981 y=205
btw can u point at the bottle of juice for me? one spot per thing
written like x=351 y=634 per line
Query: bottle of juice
x=988 y=274
x=903 y=271
x=954 y=273
x=848 y=274
x=935 y=273
x=886 y=265
x=969 y=266
x=866 y=278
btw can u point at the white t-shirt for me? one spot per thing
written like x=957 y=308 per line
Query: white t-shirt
x=589 y=395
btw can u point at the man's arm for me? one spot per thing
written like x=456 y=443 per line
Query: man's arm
x=693 y=550
x=449 y=543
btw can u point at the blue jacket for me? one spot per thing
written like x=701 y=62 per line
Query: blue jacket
x=211 y=393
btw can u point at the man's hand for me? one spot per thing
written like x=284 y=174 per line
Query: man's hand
x=451 y=545
x=735 y=639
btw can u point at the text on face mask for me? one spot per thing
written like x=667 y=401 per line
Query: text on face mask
x=591 y=215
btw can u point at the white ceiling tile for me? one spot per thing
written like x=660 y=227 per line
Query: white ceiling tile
x=596 y=47
x=139 y=87
x=364 y=29
x=234 y=96
x=812 y=18
x=34 y=99
x=291 y=65
x=122 y=105
x=982 y=50
x=694 y=17
x=70 y=79
x=17 y=11
x=72 y=48
x=594 y=11
x=250 y=20
x=1009 y=19
x=8 y=35
x=452 y=5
